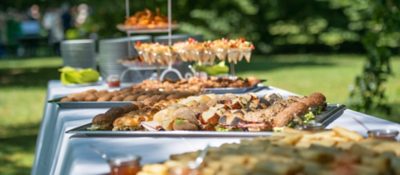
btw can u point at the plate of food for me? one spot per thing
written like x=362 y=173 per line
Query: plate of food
x=145 y=29
x=233 y=84
x=146 y=20
x=224 y=115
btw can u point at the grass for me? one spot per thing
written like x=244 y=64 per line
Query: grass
x=23 y=89
x=22 y=96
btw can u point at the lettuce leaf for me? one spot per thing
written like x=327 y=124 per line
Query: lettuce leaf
x=71 y=75
x=308 y=117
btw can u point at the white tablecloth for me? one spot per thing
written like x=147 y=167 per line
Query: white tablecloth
x=58 y=153
x=45 y=141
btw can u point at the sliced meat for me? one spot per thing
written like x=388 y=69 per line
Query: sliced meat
x=254 y=116
x=210 y=116
x=229 y=119
x=259 y=126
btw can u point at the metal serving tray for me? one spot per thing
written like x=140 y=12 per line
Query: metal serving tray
x=82 y=131
x=87 y=104
x=235 y=90
x=108 y=104
x=333 y=111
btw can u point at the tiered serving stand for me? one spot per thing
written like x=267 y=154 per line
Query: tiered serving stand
x=132 y=30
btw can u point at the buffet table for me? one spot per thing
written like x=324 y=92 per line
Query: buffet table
x=58 y=152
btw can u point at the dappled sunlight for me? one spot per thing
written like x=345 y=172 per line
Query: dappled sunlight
x=58 y=56
x=17 y=147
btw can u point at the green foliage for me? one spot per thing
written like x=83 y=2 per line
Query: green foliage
x=270 y=24
x=273 y=23
x=381 y=19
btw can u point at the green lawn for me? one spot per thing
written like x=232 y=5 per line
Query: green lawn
x=23 y=89
x=22 y=96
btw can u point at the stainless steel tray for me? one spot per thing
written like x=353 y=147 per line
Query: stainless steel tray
x=333 y=111
x=82 y=131
x=234 y=90
x=87 y=104
x=108 y=104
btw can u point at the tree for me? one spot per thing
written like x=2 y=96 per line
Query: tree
x=381 y=18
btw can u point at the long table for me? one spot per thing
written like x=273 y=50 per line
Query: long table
x=58 y=152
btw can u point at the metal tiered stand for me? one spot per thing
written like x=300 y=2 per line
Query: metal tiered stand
x=130 y=31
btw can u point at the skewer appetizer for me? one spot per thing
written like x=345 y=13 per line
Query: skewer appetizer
x=232 y=51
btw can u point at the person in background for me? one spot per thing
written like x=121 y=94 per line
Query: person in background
x=53 y=24
x=34 y=12
x=13 y=30
x=66 y=17
x=31 y=32
x=2 y=33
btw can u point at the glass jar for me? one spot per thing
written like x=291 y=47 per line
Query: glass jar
x=385 y=134
x=124 y=165
x=113 y=81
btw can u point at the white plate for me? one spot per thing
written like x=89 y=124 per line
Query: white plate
x=98 y=82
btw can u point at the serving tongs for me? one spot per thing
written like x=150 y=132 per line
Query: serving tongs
x=101 y=153
x=196 y=164
x=361 y=123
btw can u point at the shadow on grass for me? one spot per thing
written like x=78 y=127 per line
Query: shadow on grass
x=268 y=64
x=16 y=143
x=27 y=77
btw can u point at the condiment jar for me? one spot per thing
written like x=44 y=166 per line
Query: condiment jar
x=313 y=127
x=113 y=81
x=385 y=134
x=124 y=165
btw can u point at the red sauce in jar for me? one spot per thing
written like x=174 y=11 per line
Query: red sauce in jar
x=125 y=169
x=113 y=81
x=113 y=84
x=124 y=165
